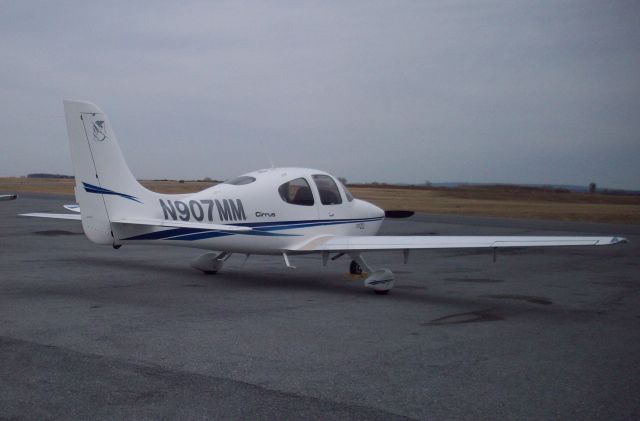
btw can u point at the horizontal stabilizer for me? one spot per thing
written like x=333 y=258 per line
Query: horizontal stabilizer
x=147 y=222
x=74 y=216
x=181 y=224
x=72 y=208
x=363 y=243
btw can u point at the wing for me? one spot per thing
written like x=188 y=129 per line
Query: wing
x=8 y=196
x=364 y=243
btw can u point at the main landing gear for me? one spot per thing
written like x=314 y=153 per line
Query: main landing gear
x=381 y=280
x=210 y=263
x=354 y=268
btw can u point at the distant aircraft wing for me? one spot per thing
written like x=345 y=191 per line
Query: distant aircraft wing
x=180 y=224
x=372 y=243
x=8 y=196
x=74 y=216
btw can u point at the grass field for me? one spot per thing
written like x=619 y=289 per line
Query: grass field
x=499 y=201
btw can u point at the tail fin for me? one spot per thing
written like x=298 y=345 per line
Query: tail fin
x=105 y=188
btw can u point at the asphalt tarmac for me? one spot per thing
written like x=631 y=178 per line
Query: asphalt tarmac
x=89 y=332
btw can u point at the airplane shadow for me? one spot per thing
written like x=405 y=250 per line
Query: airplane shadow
x=239 y=279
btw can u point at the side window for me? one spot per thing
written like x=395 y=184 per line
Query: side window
x=329 y=193
x=296 y=192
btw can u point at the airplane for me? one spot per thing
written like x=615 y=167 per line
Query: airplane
x=275 y=211
x=4 y=197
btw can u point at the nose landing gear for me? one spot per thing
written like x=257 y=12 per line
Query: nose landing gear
x=355 y=268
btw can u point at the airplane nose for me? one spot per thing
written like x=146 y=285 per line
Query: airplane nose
x=373 y=210
x=378 y=211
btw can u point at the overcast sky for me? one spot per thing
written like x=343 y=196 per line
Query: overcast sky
x=478 y=91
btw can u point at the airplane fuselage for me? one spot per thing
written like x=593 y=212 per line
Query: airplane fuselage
x=279 y=219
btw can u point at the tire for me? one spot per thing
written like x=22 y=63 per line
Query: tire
x=354 y=268
x=382 y=292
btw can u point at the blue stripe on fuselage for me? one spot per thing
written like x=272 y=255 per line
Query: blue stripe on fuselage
x=260 y=229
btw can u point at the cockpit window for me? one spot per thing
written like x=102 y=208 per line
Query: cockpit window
x=296 y=192
x=347 y=192
x=240 y=181
x=329 y=193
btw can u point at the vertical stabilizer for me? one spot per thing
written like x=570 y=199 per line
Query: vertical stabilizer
x=105 y=188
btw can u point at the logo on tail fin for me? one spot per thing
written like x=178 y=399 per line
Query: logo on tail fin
x=98 y=130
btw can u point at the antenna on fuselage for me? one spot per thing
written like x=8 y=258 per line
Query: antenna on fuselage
x=266 y=153
x=269 y=159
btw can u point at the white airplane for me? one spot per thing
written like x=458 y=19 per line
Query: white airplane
x=275 y=211
x=8 y=197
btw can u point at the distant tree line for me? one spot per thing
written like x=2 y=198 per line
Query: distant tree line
x=47 y=175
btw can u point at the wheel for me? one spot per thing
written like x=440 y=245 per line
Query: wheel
x=355 y=268
x=382 y=292
x=209 y=272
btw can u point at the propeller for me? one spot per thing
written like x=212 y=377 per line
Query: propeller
x=397 y=214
